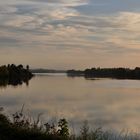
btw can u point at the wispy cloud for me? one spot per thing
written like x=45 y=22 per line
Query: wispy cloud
x=71 y=27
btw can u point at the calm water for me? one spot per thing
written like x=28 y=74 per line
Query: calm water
x=103 y=102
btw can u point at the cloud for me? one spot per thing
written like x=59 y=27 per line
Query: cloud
x=60 y=27
x=8 y=40
x=63 y=2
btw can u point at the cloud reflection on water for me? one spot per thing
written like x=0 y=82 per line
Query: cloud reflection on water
x=108 y=103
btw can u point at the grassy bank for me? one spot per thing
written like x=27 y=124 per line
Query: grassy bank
x=21 y=127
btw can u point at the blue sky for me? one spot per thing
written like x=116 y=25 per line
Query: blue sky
x=70 y=34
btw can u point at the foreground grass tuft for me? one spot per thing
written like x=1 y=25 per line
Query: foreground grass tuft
x=20 y=127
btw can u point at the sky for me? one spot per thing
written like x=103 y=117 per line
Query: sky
x=66 y=34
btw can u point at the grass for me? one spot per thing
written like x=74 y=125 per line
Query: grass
x=21 y=127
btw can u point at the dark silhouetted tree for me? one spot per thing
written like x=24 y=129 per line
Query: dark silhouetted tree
x=63 y=128
x=27 y=67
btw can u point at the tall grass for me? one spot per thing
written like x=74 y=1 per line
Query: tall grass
x=21 y=127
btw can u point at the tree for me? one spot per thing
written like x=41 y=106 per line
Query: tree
x=63 y=128
x=27 y=67
x=20 y=66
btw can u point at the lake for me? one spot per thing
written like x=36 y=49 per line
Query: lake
x=112 y=104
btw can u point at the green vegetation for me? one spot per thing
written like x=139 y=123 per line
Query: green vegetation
x=14 y=75
x=20 y=127
x=118 y=73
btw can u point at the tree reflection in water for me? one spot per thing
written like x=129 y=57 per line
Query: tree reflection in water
x=4 y=82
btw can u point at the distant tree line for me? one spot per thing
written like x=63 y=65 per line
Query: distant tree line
x=47 y=71
x=12 y=74
x=118 y=73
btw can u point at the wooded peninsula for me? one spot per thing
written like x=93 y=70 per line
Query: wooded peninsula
x=14 y=75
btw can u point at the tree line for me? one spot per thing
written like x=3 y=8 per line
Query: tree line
x=118 y=73
x=14 y=74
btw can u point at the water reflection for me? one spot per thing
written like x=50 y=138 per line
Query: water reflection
x=106 y=102
x=4 y=82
